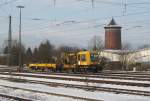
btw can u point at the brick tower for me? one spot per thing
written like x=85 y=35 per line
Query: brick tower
x=112 y=36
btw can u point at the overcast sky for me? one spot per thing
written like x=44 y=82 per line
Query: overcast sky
x=75 y=22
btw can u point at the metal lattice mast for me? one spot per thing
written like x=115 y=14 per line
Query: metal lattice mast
x=9 y=42
x=20 y=43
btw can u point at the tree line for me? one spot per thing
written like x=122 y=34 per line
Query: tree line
x=44 y=53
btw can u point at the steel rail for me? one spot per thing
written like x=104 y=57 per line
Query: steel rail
x=54 y=94
x=14 y=97
x=85 y=80
x=90 y=88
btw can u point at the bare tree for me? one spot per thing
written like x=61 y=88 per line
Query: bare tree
x=96 y=43
x=144 y=46
x=126 y=46
x=15 y=52
x=124 y=58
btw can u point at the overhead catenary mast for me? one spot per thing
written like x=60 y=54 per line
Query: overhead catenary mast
x=54 y=3
x=20 y=41
x=9 y=43
x=92 y=3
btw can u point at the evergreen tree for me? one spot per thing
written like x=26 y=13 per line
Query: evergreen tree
x=28 y=56
x=35 y=55
x=45 y=52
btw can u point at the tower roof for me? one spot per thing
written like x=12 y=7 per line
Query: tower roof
x=112 y=22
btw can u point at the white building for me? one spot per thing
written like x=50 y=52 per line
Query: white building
x=142 y=55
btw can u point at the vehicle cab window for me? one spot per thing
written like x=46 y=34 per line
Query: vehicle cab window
x=83 y=57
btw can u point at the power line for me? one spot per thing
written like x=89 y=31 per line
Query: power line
x=139 y=3
x=117 y=16
x=105 y=2
x=77 y=29
x=39 y=19
x=8 y=2
x=97 y=19
x=79 y=22
x=116 y=3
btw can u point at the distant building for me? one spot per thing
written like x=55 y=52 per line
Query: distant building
x=140 y=56
x=113 y=48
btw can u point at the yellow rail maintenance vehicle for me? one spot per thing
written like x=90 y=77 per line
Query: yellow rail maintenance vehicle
x=82 y=61
x=43 y=66
x=89 y=61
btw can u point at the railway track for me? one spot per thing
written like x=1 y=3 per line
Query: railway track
x=48 y=93
x=107 y=76
x=129 y=75
x=126 y=77
x=5 y=67
x=122 y=76
x=89 y=88
x=85 y=80
x=103 y=73
x=116 y=74
x=14 y=97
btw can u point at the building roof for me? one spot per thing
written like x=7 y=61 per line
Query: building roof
x=112 y=22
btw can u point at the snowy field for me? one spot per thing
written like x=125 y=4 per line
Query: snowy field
x=62 y=90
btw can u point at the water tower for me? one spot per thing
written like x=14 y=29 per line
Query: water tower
x=112 y=36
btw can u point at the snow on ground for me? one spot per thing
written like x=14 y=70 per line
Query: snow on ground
x=89 y=78
x=3 y=66
x=32 y=95
x=71 y=91
x=81 y=83
x=6 y=99
x=146 y=74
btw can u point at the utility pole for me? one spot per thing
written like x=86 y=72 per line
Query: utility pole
x=125 y=9
x=92 y=3
x=20 y=44
x=54 y=3
x=9 y=43
x=95 y=45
